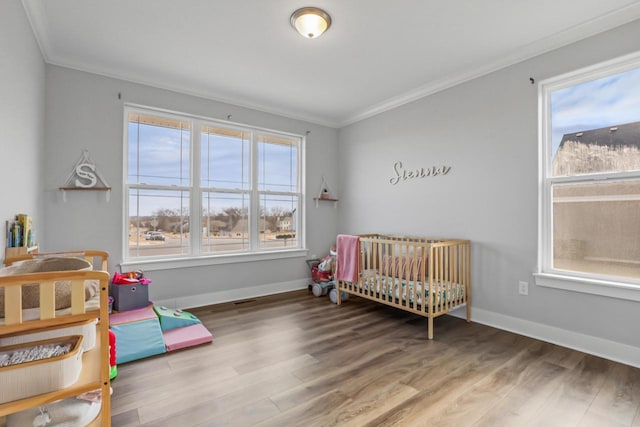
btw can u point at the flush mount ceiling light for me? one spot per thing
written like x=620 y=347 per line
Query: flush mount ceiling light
x=310 y=22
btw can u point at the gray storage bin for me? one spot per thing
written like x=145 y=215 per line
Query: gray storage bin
x=129 y=296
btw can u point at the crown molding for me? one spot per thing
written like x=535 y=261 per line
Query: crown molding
x=566 y=37
x=37 y=19
x=199 y=92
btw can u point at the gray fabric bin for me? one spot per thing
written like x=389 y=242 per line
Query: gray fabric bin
x=129 y=296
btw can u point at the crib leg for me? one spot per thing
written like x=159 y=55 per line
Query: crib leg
x=339 y=294
x=468 y=312
x=430 y=326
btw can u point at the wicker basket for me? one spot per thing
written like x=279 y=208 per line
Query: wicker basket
x=87 y=329
x=41 y=376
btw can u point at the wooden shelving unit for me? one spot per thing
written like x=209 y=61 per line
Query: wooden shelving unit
x=94 y=373
x=10 y=253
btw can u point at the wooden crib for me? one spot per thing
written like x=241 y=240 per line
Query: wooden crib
x=429 y=277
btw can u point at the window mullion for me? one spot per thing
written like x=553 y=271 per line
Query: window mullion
x=254 y=204
x=195 y=219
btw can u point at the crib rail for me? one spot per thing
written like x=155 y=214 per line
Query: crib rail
x=47 y=315
x=450 y=267
x=425 y=276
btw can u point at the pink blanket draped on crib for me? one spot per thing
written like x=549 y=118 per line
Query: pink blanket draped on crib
x=348 y=255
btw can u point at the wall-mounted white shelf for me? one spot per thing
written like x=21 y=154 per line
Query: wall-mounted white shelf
x=322 y=199
x=64 y=190
x=325 y=190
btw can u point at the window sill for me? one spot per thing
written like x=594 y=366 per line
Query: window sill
x=626 y=291
x=171 y=263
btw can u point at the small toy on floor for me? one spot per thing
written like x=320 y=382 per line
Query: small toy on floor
x=322 y=289
x=333 y=296
x=322 y=273
x=328 y=263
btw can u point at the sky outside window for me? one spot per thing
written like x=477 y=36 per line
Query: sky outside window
x=608 y=101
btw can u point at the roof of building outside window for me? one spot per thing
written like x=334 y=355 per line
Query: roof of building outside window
x=627 y=134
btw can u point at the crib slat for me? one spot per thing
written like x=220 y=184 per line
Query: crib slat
x=397 y=284
x=12 y=305
x=459 y=277
x=432 y=276
x=47 y=300
x=436 y=278
x=424 y=279
x=410 y=293
x=447 y=282
x=451 y=298
x=385 y=272
x=467 y=278
x=413 y=277
x=77 y=297
x=371 y=271
x=363 y=265
x=438 y=284
x=442 y=291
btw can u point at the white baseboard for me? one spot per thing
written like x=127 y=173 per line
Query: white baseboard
x=218 y=297
x=611 y=350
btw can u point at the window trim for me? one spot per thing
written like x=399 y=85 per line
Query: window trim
x=196 y=257
x=149 y=264
x=545 y=276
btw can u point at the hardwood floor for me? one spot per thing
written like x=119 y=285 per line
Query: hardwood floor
x=296 y=360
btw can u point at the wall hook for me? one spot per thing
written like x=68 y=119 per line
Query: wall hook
x=532 y=80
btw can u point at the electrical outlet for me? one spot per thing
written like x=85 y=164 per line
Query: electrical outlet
x=523 y=288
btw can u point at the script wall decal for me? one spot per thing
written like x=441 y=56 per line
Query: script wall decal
x=402 y=174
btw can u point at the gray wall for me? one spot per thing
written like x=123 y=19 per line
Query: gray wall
x=486 y=130
x=83 y=111
x=22 y=73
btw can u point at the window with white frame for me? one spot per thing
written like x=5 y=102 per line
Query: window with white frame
x=590 y=177
x=199 y=187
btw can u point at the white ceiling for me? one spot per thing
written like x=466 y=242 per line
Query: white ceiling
x=377 y=54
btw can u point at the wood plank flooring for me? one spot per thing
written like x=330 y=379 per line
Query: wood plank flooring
x=296 y=360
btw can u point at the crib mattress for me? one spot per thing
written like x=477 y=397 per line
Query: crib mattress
x=384 y=286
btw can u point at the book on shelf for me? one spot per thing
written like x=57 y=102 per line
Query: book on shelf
x=27 y=227
x=20 y=232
